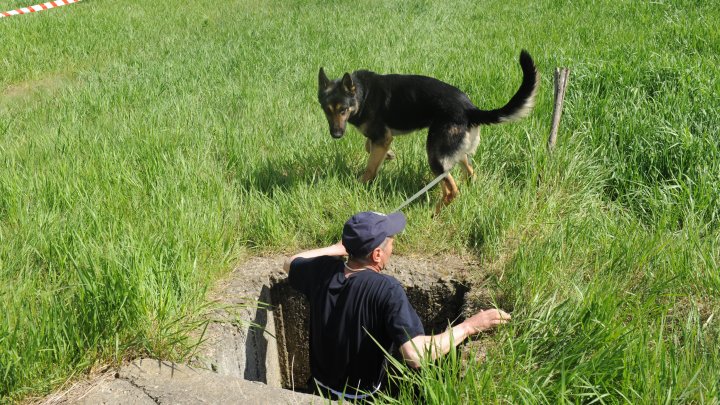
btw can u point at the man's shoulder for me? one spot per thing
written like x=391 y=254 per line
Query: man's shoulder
x=306 y=272
x=384 y=282
x=389 y=279
x=320 y=261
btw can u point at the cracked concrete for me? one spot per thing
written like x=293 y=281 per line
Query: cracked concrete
x=150 y=381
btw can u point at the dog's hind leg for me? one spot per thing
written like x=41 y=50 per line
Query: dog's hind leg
x=447 y=144
x=378 y=152
x=469 y=172
x=450 y=192
x=473 y=135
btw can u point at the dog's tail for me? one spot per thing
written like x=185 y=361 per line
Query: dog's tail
x=519 y=105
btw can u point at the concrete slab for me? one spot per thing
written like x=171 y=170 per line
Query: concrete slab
x=115 y=392
x=150 y=381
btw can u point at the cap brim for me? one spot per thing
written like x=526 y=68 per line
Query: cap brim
x=396 y=223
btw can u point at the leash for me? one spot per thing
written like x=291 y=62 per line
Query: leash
x=421 y=192
x=37 y=7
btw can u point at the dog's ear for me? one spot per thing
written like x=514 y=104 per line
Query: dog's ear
x=348 y=84
x=323 y=81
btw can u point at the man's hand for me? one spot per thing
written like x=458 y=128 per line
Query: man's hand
x=438 y=345
x=485 y=320
x=337 y=249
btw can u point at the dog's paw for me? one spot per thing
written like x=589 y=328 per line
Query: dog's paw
x=438 y=209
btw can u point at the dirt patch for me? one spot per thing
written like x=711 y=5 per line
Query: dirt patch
x=26 y=89
x=75 y=390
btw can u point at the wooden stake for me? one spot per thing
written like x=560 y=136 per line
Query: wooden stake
x=561 y=78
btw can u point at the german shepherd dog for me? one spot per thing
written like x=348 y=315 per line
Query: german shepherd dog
x=382 y=106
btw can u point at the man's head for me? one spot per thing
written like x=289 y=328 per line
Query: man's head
x=368 y=236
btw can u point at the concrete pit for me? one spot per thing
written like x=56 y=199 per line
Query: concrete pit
x=274 y=350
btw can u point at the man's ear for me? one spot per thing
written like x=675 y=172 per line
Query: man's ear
x=375 y=255
x=323 y=81
x=348 y=84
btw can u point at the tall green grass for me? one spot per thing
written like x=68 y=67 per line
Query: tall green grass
x=146 y=148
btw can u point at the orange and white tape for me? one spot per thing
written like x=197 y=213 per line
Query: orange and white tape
x=38 y=7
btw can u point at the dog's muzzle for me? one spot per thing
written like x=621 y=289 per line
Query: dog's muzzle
x=337 y=132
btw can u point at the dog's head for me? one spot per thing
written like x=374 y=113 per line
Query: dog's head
x=338 y=99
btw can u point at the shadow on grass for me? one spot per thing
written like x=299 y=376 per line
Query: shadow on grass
x=286 y=173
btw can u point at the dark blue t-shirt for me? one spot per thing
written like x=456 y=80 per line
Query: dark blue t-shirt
x=346 y=314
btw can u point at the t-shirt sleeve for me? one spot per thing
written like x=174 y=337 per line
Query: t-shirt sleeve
x=402 y=322
x=306 y=273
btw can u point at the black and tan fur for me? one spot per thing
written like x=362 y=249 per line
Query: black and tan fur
x=382 y=106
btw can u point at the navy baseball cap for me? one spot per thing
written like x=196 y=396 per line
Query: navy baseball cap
x=365 y=231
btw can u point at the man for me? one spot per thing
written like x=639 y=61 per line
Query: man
x=355 y=310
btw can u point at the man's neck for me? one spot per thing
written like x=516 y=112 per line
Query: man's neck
x=353 y=266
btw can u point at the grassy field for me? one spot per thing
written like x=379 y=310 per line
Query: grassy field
x=148 y=147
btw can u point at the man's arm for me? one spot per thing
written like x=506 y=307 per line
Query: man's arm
x=414 y=350
x=333 y=250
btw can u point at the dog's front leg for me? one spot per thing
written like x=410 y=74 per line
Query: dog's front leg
x=378 y=151
x=390 y=155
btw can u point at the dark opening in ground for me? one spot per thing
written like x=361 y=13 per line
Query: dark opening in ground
x=438 y=302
